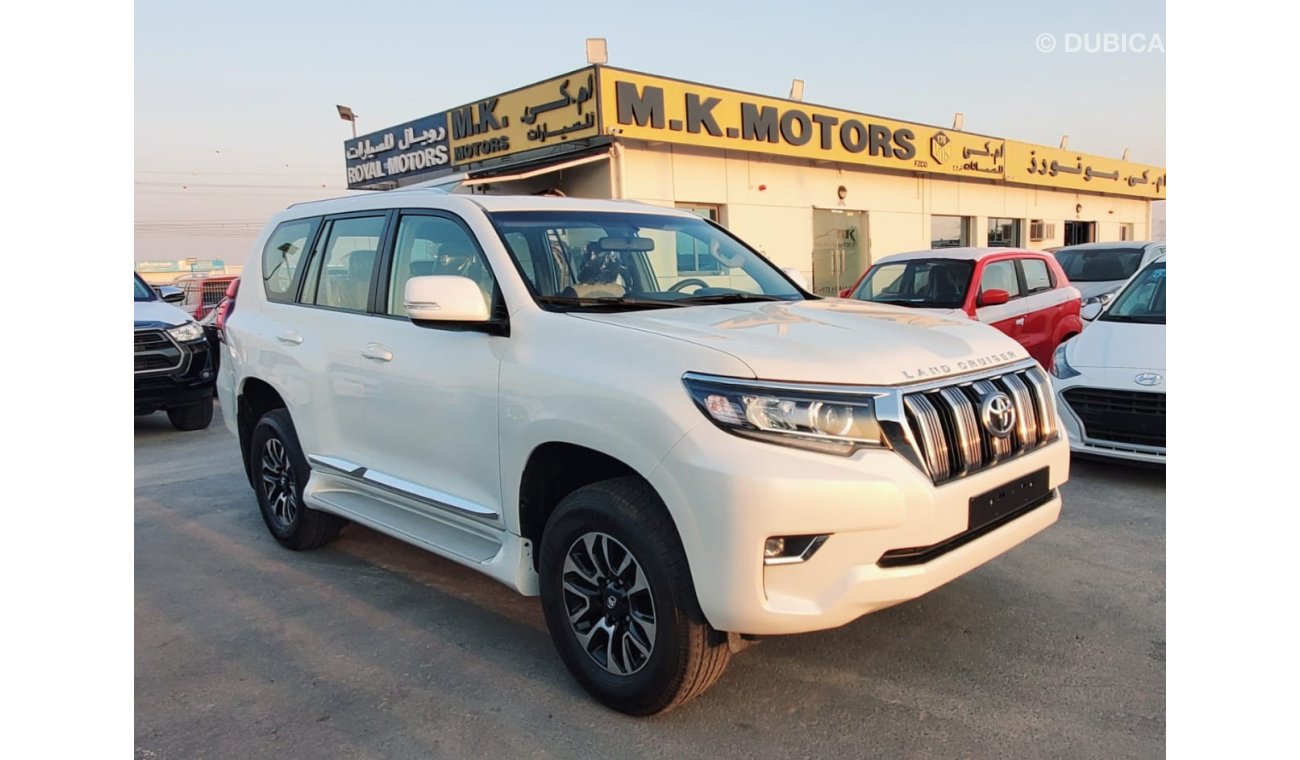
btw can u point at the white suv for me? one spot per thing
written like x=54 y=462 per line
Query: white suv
x=627 y=410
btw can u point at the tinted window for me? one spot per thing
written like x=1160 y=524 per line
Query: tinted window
x=281 y=256
x=343 y=266
x=435 y=245
x=1037 y=277
x=925 y=283
x=1099 y=264
x=523 y=254
x=1001 y=275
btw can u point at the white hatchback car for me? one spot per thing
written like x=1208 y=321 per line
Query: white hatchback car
x=1111 y=378
x=677 y=465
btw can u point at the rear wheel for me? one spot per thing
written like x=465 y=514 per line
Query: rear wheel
x=279 y=476
x=619 y=601
x=196 y=416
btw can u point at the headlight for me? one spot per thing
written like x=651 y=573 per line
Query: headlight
x=807 y=418
x=186 y=332
x=1101 y=298
x=1060 y=367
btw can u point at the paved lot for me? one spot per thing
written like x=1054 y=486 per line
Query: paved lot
x=370 y=648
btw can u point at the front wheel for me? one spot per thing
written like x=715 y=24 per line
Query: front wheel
x=619 y=601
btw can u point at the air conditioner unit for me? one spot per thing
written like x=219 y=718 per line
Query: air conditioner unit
x=1040 y=230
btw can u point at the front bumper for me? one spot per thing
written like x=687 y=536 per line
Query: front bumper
x=186 y=384
x=1080 y=441
x=728 y=495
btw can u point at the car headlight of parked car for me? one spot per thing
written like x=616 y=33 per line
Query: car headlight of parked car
x=803 y=417
x=1101 y=298
x=1060 y=367
x=186 y=332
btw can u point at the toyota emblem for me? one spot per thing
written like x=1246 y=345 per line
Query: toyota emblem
x=998 y=414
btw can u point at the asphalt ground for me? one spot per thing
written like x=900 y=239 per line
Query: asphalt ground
x=372 y=648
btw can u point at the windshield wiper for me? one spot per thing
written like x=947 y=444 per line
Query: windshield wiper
x=902 y=302
x=1142 y=319
x=606 y=302
x=729 y=298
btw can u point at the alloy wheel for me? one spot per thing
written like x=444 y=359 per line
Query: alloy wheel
x=609 y=604
x=279 y=482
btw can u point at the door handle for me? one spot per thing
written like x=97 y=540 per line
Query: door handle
x=377 y=352
x=292 y=338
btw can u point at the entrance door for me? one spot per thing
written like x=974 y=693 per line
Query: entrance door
x=839 y=249
x=1080 y=232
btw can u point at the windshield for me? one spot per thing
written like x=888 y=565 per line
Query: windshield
x=919 y=283
x=1143 y=300
x=619 y=261
x=142 y=291
x=1099 y=264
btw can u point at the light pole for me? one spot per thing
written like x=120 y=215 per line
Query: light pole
x=346 y=114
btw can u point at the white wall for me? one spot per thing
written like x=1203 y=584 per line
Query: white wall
x=769 y=200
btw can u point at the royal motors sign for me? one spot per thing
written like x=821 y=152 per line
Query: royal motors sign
x=379 y=159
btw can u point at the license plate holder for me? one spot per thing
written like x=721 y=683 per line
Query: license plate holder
x=1008 y=498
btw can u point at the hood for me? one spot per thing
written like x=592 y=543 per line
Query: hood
x=1089 y=289
x=158 y=314
x=831 y=340
x=1125 y=345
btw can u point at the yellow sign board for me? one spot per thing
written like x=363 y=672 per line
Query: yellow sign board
x=669 y=110
x=655 y=108
x=1055 y=167
x=547 y=113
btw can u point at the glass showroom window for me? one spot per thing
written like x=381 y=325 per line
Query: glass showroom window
x=1004 y=233
x=692 y=255
x=949 y=231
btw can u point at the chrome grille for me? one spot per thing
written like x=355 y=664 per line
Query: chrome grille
x=952 y=441
x=154 y=351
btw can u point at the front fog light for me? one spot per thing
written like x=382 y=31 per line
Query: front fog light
x=773 y=547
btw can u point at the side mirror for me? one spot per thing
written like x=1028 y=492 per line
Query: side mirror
x=994 y=297
x=171 y=294
x=444 y=298
x=797 y=276
x=1091 y=311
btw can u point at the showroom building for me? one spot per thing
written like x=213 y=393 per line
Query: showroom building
x=819 y=189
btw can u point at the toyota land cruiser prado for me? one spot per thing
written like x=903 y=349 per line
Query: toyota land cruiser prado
x=546 y=390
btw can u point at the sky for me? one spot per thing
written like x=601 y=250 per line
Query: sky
x=235 y=101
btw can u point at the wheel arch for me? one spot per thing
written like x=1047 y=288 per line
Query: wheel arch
x=256 y=397
x=556 y=469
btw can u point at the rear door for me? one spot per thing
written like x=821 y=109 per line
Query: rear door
x=327 y=333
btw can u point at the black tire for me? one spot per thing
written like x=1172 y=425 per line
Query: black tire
x=196 y=416
x=683 y=660
x=280 y=473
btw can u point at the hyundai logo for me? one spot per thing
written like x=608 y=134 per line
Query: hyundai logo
x=1149 y=378
x=998 y=414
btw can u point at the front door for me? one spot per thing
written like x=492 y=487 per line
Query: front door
x=1008 y=317
x=839 y=250
x=433 y=389
x=1080 y=232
